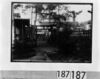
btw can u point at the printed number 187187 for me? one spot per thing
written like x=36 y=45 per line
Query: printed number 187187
x=71 y=74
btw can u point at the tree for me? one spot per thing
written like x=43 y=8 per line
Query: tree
x=74 y=14
x=15 y=7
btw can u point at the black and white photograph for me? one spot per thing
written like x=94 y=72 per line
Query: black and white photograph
x=51 y=32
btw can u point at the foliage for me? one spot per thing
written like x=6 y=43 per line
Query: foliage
x=17 y=5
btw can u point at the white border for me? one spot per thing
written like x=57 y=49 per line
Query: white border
x=5 y=35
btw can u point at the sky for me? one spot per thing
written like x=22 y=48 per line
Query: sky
x=82 y=17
